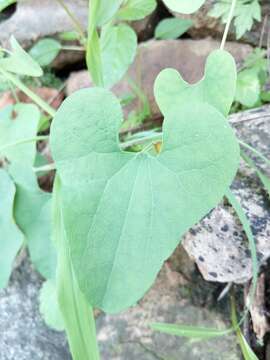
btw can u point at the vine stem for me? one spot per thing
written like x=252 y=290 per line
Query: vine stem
x=256 y=152
x=73 y=48
x=228 y=24
x=74 y=20
x=40 y=102
x=24 y=141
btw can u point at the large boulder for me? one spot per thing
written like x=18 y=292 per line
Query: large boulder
x=187 y=56
x=35 y=19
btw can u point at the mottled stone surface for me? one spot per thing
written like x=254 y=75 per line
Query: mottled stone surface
x=125 y=336
x=204 y=25
x=35 y=19
x=187 y=56
x=24 y=336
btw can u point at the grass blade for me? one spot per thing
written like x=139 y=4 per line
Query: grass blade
x=77 y=313
x=189 y=331
x=247 y=352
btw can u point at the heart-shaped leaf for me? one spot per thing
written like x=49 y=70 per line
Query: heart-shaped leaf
x=11 y=238
x=118 y=49
x=124 y=213
x=217 y=87
x=184 y=6
x=19 y=62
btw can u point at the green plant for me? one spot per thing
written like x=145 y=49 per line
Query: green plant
x=100 y=255
x=172 y=28
x=246 y=12
x=252 y=80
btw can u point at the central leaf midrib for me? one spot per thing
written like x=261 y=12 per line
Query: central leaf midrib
x=121 y=234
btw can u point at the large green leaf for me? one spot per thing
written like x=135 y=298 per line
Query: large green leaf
x=216 y=88
x=124 y=213
x=16 y=124
x=184 y=6
x=136 y=9
x=32 y=209
x=19 y=62
x=11 y=239
x=118 y=50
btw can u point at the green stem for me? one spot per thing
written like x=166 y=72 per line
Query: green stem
x=24 y=141
x=36 y=99
x=93 y=54
x=73 y=48
x=77 y=313
x=73 y=19
x=48 y=167
x=140 y=141
x=227 y=28
x=256 y=152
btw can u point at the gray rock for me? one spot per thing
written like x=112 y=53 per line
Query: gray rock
x=35 y=19
x=204 y=25
x=217 y=243
x=124 y=336
x=24 y=335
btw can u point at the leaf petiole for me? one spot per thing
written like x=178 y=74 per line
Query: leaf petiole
x=256 y=152
x=228 y=24
x=24 y=141
x=36 y=99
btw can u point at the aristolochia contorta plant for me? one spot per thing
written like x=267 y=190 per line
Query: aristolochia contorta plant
x=131 y=209
x=117 y=215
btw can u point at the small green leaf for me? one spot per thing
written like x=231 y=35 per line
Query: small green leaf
x=193 y=332
x=118 y=50
x=69 y=36
x=136 y=9
x=48 y=306
x=5 y=3
x=217 y=87
x=248 y=88
x=116 y=258
x=184 y=6
x=172 y=28
x=244 y=14
x=11 y=238
x=18 y=123
x=45 y=51
x=20 y=62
